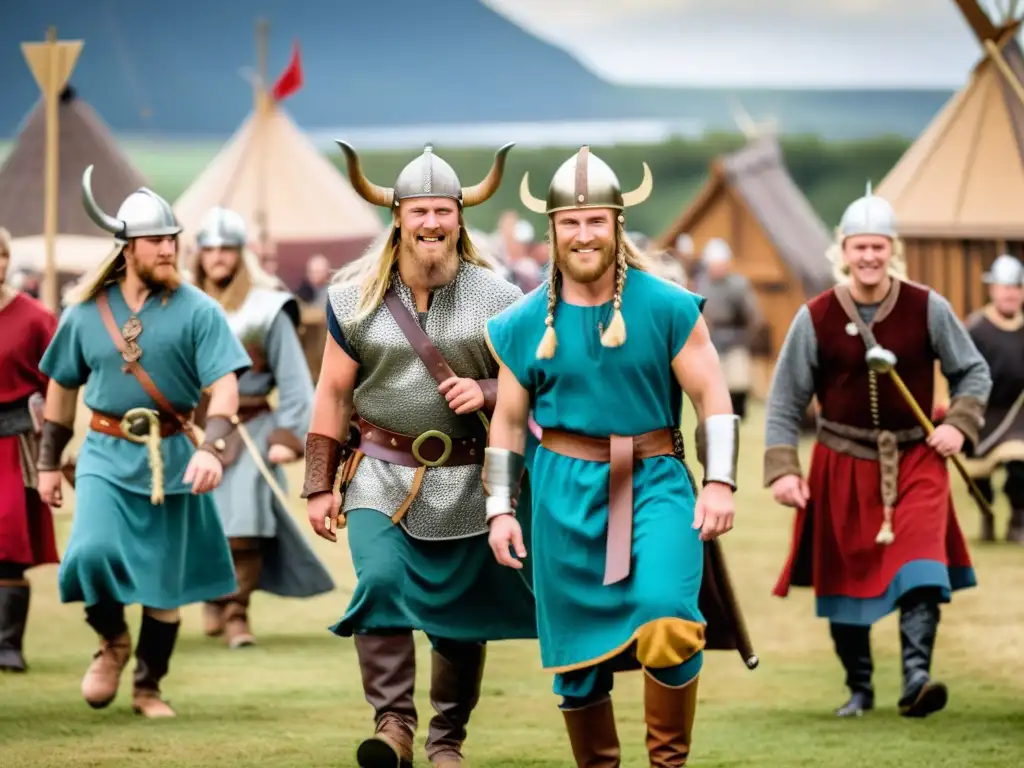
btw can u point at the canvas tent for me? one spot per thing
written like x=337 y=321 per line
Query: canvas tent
x=958 y=191
x=777 y=239
x=287 y=191
x=84 y=140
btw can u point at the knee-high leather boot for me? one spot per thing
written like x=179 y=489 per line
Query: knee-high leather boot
x=14 y=599
x=669 y=712
x=592 y=734
x=388 y=666
x=456 y=676
x=919 y=623
x=853 y=646
x=152 y=661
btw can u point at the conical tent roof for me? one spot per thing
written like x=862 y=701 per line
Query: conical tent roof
x=270 y=165
x=84 y=139
x=964 y=175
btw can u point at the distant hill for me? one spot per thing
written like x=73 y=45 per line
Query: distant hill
x=173 y=70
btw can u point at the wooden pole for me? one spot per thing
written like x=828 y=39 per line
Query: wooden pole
x=51 y=64
x=262 y=116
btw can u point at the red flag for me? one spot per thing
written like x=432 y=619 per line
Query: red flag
x=291 y=79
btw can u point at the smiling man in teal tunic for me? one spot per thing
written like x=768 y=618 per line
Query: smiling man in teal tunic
x=617 y=527
x=146 y=530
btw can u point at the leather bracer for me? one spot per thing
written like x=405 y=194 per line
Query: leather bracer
x=218 y=428
x=52 y=442
x=323 y=457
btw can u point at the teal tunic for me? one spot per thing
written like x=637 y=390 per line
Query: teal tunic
x=652 y=616
x=122 y=547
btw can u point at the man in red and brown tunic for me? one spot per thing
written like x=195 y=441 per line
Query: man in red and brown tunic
x=875 y=526
x=26 y=525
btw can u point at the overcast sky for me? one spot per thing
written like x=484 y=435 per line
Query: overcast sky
x=796 y=43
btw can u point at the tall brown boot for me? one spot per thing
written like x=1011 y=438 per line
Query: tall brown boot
x=454 y=692
x=248 y=560
x=388 y=665
x=669 y=713
x=1015 y=531
x=152 y=661
x=592 y=734
x=213 y=619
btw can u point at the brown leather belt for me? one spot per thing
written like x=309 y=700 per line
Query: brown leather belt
x=431 y=449
x=106 y=424
x=619 y=451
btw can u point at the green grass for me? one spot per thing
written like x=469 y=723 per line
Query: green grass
x=296 y=700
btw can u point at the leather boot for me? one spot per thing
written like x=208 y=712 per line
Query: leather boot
x=14 y=599
x=921 y=697
x=454 y=692
x=152 y=660
x=99 y=686
x=388 y=666
x=248 y=562
x=1015 y=532
x=669 y=713
x=213 y=619
x=853 y=646
x=592 y=735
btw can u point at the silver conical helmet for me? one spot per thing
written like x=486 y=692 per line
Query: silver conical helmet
x=221 y=228
x=1006 y=270
x=869 y=215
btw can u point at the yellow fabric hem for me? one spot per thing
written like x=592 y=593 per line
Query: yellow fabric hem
x=660 y=644
x=490 y=346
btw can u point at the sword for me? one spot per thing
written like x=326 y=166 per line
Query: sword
x=883 y=360
x=260 y=464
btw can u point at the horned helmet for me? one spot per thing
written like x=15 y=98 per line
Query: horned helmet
x=586 y=181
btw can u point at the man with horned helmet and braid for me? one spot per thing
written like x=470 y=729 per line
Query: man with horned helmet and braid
x=618 y=526
x=998 y=331
x=875 y=528
x=145 y=346
x=406 y=361
x=268 y=550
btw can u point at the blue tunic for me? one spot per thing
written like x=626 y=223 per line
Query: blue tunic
x=597 y=391
x=122 y=547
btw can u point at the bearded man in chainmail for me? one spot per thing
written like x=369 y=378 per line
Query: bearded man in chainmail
x=400 y=407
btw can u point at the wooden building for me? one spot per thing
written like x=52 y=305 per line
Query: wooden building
x=777 y=239
x=958 y=191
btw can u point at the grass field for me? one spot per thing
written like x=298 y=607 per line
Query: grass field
x=296 y=700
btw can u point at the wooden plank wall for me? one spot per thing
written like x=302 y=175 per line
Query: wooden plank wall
x=954 y=268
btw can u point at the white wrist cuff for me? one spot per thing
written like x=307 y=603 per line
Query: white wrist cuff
x=498 y=505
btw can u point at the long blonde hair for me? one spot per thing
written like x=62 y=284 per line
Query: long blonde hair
x=627 y=256
x=373 y=270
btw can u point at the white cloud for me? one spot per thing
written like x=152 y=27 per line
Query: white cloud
x=796 y=43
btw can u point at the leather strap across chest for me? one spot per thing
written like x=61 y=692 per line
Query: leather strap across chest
x=620 y=452
x=133 y=367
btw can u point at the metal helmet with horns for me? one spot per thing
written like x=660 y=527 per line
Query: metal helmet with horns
x=426 y=176
x=142 y=214
x=585 y=181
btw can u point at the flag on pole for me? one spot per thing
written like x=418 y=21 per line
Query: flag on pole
x=291 y=79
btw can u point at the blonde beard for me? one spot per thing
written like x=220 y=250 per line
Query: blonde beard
x=433 y=272
x=579 y=274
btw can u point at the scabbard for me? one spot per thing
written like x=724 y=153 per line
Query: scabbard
x=726 y=628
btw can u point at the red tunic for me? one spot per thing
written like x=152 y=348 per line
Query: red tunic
x=833 y=547
x=26 y=524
